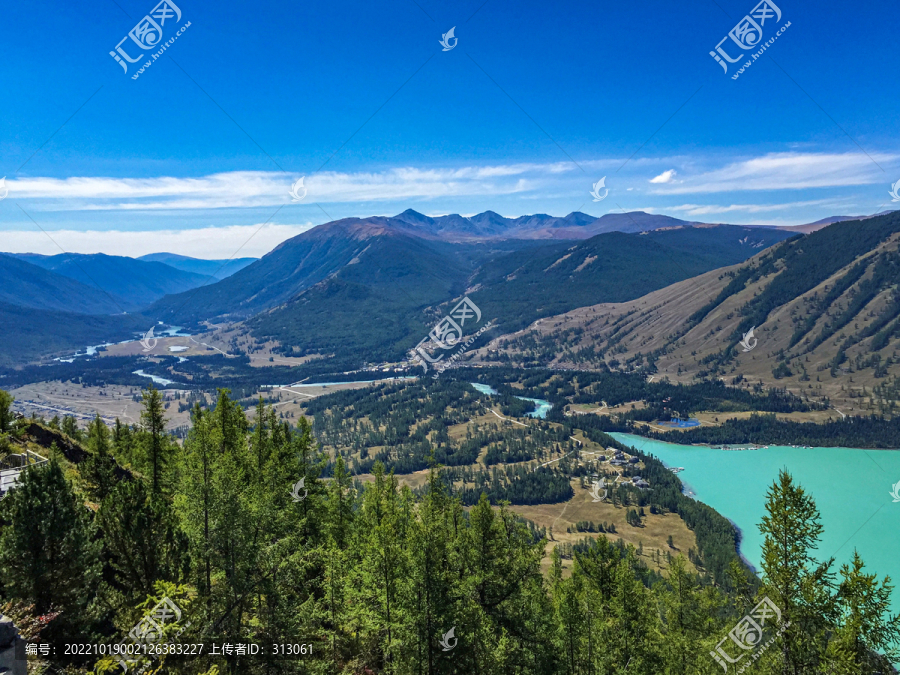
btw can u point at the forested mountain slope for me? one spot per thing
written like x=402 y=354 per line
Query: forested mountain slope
x=214 y=268
x=824 y=309
x=35 y=334
x=345 y=562
x=526 y=285
x=28 y=285
x=379 y=307
x=132 y=282
x=354 y=248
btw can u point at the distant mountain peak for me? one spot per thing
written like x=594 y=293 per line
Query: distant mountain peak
x=412 y=213
x=490 y=225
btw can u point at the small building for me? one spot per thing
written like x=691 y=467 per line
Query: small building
x=633 y=460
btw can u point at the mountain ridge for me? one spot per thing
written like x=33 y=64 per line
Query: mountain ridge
x=313 y=256
x=576 y=225
x=376 y=308
x=24 y=284
x=219 y=269
x=824 y=310
x=132 y=282
x=291 y=267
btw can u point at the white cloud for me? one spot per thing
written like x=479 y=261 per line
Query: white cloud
x=243 y=189
x=238 y=189
x=241 y=241
x=786 y=170
x=517 y=188
x=664 y=177
x=707 y=209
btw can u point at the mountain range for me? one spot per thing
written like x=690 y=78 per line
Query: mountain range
x=824 y=222
x=615 y=266
x=131 y=284
x=25 y=284
x=490 y=225
x=51 y=305
x=217 y=269
x=370 y=288
x=818 y=313
x=377 y=245
x=576 y=225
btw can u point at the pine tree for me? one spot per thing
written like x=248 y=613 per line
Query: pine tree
x=382 y=563
x=70 y=428
x=158 y=449
x=632 y=631
x=6 y=414
x=142 y=538
x=99 y=468
x=196 y=496
x=865 y=626
x=688 y=615
x=261 y=441
x=598 y=564
x=427 y=591
x=48 y=555
x=501 y=573
x=340 y=504
x=123 y=442
x=572 y=630
x=798 y=585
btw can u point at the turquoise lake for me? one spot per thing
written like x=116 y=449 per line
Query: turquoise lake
x=852 y=489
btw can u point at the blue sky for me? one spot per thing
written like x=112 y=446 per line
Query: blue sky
x=535 y=103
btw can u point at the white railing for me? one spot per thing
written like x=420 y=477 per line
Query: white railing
x=10 y=477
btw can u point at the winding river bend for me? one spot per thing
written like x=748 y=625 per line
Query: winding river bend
x=541 y=407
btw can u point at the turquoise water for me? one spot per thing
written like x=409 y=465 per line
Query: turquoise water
x=485 y=388
x=852 y=489
x=156 y=379
x=541 y=409
x=173 y=331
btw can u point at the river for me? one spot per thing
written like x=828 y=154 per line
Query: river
x=91 y=350
x=541 y=408
x=852 y=489
x=156 y=379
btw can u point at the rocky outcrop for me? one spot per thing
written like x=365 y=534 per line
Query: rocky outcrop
x=11 y=647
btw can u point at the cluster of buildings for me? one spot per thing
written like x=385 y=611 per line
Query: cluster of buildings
x=621 y=459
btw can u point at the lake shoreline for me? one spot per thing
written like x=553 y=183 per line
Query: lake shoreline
x=735 y=484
